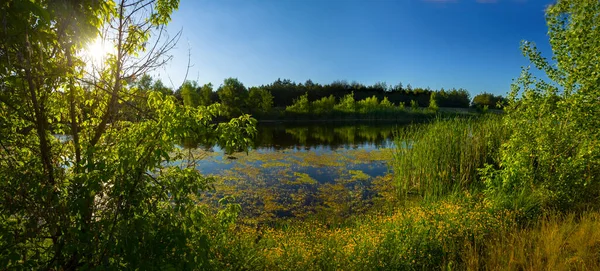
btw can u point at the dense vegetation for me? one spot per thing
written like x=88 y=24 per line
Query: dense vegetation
x=514 y=191
x=284 y=99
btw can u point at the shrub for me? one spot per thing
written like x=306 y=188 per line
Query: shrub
x=300 y=106
x=553 y=155
x=324 y=105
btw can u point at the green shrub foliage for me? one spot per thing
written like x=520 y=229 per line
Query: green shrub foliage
x=106 y=194
x=553 y=155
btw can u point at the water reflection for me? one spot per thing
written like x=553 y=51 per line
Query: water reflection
x=277 y=136
x=295 y=170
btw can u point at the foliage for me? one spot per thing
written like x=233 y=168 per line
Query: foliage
x=189 y=94
x=205 y=94
x=324 y=105
x=106 y=194
x=260 y=100
x=368 y=104
x=346 y=104
x=285 y=92
x=300 y=106
x=453 y=98
x=489 y=100
x=233 y=95
x=386 y=104
x=414 y=105
x=433 y=102
x=553 y=155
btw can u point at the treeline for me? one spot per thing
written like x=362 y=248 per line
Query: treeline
x=285 y=92
x=288 y=96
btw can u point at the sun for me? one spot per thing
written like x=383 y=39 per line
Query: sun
x=97 y=51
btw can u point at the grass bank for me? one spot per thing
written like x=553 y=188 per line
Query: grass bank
x=453 y=234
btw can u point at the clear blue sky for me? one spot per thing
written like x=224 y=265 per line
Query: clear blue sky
x=472 y=44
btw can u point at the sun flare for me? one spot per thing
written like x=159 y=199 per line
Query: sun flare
x=97 y=51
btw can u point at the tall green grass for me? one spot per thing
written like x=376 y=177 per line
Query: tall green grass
x=435 y=159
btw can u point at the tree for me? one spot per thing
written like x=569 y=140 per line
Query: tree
x=324 y=105
x=552 y=158
x=260 y=100
x=189 y=93
x=433 y=105
x=346 y=104
x=205 y=95
x=300 y=106
x=233 y=95
x=368 y=104
x=488 y=99
x=109 y=196
x=160 y=87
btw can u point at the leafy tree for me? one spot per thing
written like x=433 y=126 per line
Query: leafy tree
x=386 y=104
x=301 y=105
x=160 y=87
x=144 y=84
x=433 y=102
x=368 y=105
x=189 y=93
x=233 y=95
x=488 y=99
x=108 y=196
x=552 y=158
x=346 y=104
x=324 y=105
x=260 y=100
x=205 y=95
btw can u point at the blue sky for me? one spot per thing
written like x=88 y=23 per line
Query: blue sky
x=472 y=44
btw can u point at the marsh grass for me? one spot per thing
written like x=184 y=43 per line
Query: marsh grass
x=554 y=242
x=422 y=237
x=460 y=233
x=436 y=159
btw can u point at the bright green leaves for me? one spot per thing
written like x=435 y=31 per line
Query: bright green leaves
x=347 y=103
x=113 y=192
x=236 y=135
x=163 y=10
x=233 y=95
x=190 y=96
x=551 y=157
x=136 y=40
x=300 y=106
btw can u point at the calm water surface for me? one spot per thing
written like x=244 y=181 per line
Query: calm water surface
x=297 y=169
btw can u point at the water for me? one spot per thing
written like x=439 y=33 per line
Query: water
x=294 y=170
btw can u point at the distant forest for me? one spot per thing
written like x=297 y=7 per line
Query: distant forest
x=283 y=93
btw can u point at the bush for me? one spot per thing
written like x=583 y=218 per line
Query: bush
x=300 y=106
x=553 y=155
x=324 y=106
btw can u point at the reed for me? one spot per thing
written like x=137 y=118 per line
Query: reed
x=436 y=159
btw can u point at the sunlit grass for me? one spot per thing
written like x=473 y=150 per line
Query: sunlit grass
x=436 y=159
x=410 y=238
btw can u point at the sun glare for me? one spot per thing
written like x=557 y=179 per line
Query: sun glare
x=97 y=51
